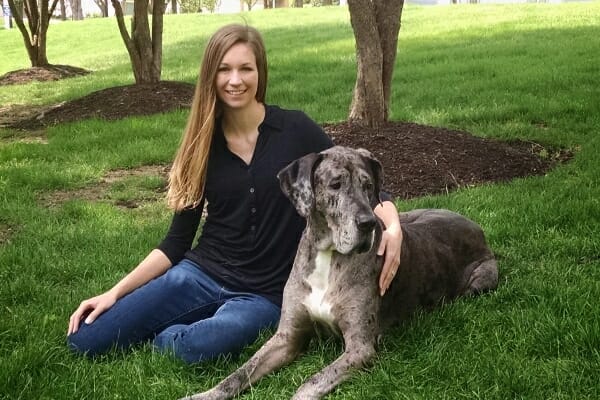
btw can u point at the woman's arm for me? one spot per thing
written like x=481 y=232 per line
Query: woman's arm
x=155 y=264
x=391 y=243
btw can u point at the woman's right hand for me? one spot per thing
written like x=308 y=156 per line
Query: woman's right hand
x=91 y=309
x=155 y=264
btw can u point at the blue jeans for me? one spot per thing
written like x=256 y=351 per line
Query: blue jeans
x=183 y=311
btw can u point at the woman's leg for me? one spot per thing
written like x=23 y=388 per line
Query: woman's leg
x=236 y=324
x=183 y=294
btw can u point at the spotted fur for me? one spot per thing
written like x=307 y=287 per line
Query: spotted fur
x=334 y=280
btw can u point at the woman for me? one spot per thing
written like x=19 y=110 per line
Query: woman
x=214 y=298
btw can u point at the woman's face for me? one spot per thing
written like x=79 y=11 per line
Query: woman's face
x=237 y=77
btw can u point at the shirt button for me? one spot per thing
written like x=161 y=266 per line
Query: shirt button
x=253 y=228
x=253 y=210
x=251 y=190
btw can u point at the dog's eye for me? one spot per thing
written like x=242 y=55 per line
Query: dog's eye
x=336 y=185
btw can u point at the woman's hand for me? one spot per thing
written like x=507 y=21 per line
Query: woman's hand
x=91 y=309
x=155 y=264
x=390 y=245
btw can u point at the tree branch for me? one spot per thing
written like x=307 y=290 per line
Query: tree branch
x=31 y=16
x=158 y=9
x=121 y=25
x=52 y=8
x=19 y=21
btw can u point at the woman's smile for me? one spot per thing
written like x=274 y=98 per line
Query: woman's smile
x=237 y=77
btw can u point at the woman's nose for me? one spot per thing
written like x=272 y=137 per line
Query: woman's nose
x=235 y=78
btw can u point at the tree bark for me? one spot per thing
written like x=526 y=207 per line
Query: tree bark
x=76 y=10
x=248 y=3
x=376 y=24
x=38 y=21
x=103 y=6
x=144 y=47
x=63 y=10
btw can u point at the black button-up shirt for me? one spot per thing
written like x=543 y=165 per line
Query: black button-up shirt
x=250 y=237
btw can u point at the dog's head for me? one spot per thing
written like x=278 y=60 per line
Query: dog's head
x=338 y=187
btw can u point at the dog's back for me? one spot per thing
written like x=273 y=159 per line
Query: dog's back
x=440 y=251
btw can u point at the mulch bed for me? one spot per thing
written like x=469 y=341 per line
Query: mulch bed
x=51 y=72
x=114 y=103
x=419 y=159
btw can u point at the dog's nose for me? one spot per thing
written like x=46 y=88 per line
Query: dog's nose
x=365 y=223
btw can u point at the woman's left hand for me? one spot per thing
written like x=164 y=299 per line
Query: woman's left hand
x=389 y=247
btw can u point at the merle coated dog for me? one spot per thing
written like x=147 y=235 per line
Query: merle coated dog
x=334 y=280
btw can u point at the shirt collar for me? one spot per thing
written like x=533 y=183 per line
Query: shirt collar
x=273 y=117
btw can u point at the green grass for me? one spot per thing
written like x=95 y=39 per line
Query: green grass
x=509 y=72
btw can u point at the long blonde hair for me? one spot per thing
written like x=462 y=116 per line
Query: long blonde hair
x=188 y=174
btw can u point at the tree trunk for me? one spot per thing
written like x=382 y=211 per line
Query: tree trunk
x=376 y=24
x=76 y=10
x=298 y=3
x=63 y=10
x=38 y=20
x=103 y=6
x=144 y=47
x=249 y=3
x=174 y=6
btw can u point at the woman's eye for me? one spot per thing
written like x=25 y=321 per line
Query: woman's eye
x=335 y=185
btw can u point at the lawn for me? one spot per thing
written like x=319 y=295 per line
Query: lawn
x=528 y=72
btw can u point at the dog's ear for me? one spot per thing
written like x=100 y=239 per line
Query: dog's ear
x=376 y=171
x=296 y=181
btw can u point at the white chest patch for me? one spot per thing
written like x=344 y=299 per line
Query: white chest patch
x=318 y=281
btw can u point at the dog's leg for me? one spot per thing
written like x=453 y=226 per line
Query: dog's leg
x=278 y=351
x=484 y=277
x=358 y=354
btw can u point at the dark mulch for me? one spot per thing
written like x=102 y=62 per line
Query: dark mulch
x=417 y=159
x=115 y=103
x=51 y=72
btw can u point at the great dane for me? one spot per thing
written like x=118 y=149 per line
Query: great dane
x=334 y=281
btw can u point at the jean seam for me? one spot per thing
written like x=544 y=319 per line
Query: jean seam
x=169 y=323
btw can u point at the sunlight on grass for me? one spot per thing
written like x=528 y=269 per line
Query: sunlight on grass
x=525 y=72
